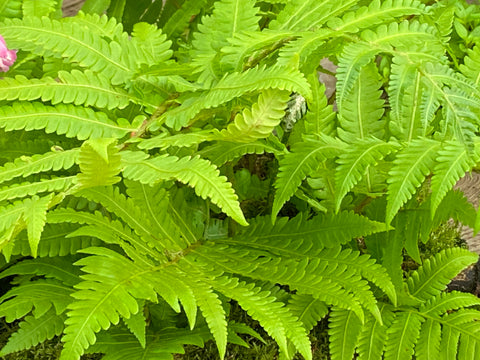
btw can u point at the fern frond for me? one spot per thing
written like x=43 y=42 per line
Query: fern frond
x=39 y=9
x=198 y=173
x=35 y=216
x=305 y=15
x=148 y=45
x=260 y=121
x=80 y=88
x=155 y=203
x=102 y=25
x=298 y=164
x=448 y=302
x=54 y=242
x=428 y=345
x=123 y=207
x=24 y=166
x=228 y=18
x=32 y=188
x=163 y=141
x=433 y=276
x=222 y=152
x=402 y=336
x=98 y=154
x=181 y=18
x=453 y=161
x=108 y=291
x=373 y=335
x=307 y=309
x=343 y=331
x=35 y=330
x=66 y=39
x=247 y=43
x=235 y=85
x=68 y=120
x=38 y=295
x=11 y=9
x=274 y=317
x=375 y=13
x=471 y=65
x=59 y=268
x=410 y=167
x=137 y=324
x=354 y=163
x=360 y=115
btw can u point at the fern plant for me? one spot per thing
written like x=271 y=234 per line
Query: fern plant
x=134 y=205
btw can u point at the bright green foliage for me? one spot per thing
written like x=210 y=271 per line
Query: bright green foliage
x=170 y=157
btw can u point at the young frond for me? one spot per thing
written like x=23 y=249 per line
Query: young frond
x=98 y=154
x=235 y=85
x=296 y=165
x=260 y=121
x=432 y=277
x=67 y=40
x=198 y=173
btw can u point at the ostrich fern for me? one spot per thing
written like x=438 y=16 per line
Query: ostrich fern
x=122 y=144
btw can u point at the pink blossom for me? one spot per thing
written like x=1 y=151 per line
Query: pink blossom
x=7 y=57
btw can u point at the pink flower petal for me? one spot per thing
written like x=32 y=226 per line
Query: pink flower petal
x=7 y=57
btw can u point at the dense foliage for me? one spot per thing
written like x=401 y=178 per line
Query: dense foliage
x=164 y=160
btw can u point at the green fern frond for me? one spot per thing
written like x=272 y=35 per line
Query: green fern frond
x=360 y=115
x=471 y=65
x=149 y=45
x=11 y=9
x=31 y=188
x=432 y=277
x=164 y=141
x=307 y=237
x=102 y=25
x=295 y=166
x=448 y=302
x=155 y=202
x=59 y=268
x=373 y=335
x=402 y=336
x=38 y=295
x=411 y=166
x=274 y=317
x=428 y=345
x=36 y=8
x=260 y=121
x=85 y=88
x=247 y=43
x=24 y=166
x=67 y=40
x=305 y=15
x=198 y=173
x=228 y=18
x=35 y=216
x=109 y=290
x=123 y=207
x=307 y=309
x=68 y=120
x=54 y=242
x=235 y=85
x=137 y=324
x=453 y=161
x=223 y=152
x=344 y=329
x=98 y=154
x=181 y=18
x=35 y=330
x=375 y=13
x=354 y=163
